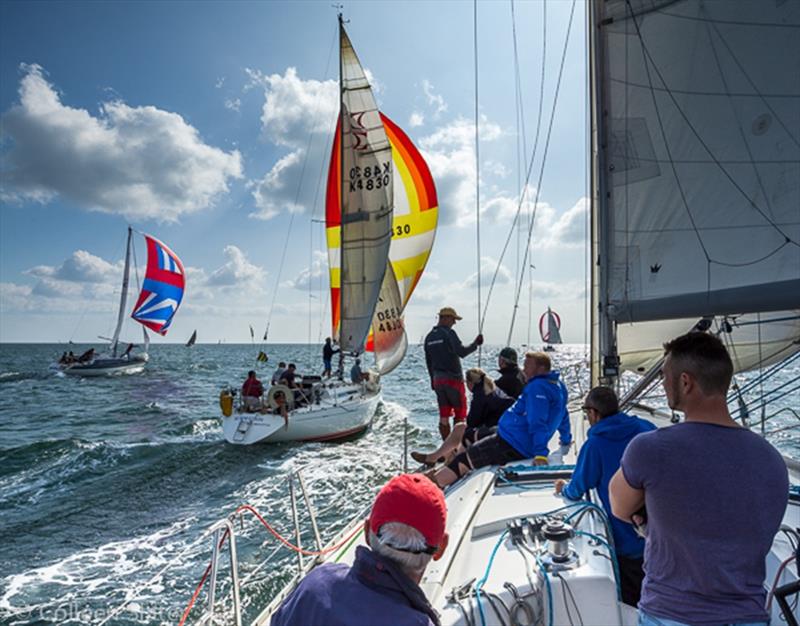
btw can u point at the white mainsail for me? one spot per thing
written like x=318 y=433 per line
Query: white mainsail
x=366 y=196
x=696 y=111
x=702 y=159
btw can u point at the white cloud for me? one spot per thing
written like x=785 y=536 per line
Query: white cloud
x=278 y=189
x=293 y=108
x=569 y=229
x=140 y=162
x=436 y=101
x=237 y=271
x=80 y=267
x=488 y=268
x=416 y=119
x=233 y=104
x=450 y=154
x=312 y=278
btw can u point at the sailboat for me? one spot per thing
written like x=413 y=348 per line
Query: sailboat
x=695 y=141
x=380 y=218
x=192 y=340
x=159 y=298
x=549 y=329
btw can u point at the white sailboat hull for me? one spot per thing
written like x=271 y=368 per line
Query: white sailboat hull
x=106 y=367
x=350 y=413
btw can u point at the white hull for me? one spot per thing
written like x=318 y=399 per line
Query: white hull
x=347 y=413
x=106 y=367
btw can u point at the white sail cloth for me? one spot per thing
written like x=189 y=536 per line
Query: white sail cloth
x=702 y=157
x=366 y=183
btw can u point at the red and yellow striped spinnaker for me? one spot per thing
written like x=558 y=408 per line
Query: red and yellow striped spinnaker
x=416 y=211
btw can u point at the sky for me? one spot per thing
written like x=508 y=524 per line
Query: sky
x=207 y=125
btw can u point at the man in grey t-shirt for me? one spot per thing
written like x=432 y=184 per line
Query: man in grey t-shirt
x=715 y=495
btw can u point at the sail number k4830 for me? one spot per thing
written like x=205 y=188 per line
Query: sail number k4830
x=370 y=177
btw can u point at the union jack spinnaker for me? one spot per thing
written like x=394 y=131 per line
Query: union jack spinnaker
x=162 y=288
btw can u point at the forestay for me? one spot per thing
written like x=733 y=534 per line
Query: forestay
x=701 y=161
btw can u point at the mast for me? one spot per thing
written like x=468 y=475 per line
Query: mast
x=604 y=358
x=124 y=295
x=340 y=368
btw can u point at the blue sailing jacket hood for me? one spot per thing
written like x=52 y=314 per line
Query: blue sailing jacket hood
x=598 y=461
x=540 y=410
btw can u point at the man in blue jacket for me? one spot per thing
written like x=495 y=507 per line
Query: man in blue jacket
x=525 y=429
x=609 y=434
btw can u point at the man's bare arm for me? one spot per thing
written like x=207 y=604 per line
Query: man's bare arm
x=625 y=500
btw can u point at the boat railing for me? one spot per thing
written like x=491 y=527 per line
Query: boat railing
x=223 y=536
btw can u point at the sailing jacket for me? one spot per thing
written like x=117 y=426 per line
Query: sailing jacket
x=443 y=353
x=373 y=592
x=598 y=460
x=485 y=410
x=538 y=412
x=328 y=352
x=511 y=380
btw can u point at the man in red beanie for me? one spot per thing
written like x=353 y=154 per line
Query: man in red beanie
x=405 y=530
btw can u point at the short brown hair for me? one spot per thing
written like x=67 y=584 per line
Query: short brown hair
x=541 y=358
x=603 y=400
x=704 y=357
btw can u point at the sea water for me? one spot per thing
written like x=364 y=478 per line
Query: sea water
x=105 y=481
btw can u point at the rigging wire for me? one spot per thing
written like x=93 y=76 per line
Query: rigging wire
x=477 y=173
x=316 y=200
x=543 y=163
x=295 y=204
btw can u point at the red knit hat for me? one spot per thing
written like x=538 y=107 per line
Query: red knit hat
x=411 y=499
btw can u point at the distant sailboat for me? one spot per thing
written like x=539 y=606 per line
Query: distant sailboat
x=549 y=329
x=381 y=215
x=158 y=301
x=192 y=340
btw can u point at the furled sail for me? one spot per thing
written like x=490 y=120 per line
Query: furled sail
x=699 y=158
x=360 y=230
x=549 y=327
x=753 y=340
x=413 y=232
x=162 y=288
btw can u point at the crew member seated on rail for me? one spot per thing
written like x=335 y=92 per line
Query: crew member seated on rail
x=524 y=430
x=252 y=392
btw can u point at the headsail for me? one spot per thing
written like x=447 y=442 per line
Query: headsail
x=413 y=231
x=192 y=340
x=361 y=229
x=162 y=288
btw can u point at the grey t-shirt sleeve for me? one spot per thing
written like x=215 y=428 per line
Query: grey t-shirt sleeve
x=638 y=459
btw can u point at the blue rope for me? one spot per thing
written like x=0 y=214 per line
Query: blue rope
x=612 y=553
x=482 y=581
x=549 y=591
